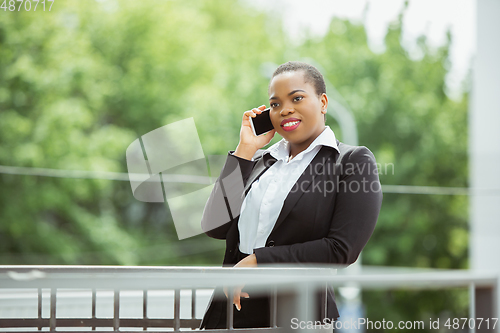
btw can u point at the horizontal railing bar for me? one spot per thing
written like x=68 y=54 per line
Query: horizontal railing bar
x=166 y=278
x=240 y=330
x=23 y=322
x=178 y=278
x=97 y=322
x=302 y=269
x=125 y=278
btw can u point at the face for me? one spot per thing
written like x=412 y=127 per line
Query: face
x=297 y=112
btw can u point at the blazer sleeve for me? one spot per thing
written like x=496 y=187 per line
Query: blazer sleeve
x=353 y=221
x=223 y=205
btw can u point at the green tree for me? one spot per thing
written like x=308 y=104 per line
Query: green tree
x=80 y=83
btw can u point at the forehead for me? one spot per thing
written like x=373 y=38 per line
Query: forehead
x=289 y=81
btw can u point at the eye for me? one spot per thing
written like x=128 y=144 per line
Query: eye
x=274 y=105
x=298 y=98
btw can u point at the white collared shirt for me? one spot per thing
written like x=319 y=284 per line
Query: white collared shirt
x=263 y=203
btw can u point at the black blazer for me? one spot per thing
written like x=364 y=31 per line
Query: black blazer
x=327 y=217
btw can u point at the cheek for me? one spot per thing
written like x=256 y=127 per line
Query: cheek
x=276 y=121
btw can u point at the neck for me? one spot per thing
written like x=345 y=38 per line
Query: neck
x=297 y=148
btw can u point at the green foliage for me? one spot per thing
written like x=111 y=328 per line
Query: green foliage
x=80 y=83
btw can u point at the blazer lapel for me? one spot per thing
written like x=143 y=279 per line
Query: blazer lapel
x=262 y=165
x=321 y=157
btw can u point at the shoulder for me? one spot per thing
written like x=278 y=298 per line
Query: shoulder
x=355 y=154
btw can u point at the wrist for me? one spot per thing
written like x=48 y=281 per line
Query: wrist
x=251 y=260
x=245 y=151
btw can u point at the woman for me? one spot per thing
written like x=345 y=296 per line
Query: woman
x=309 y=168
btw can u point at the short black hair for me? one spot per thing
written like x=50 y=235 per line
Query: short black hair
x=311 y=74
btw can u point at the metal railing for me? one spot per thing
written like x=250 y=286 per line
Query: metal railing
x=292 y=289
x=121 y=278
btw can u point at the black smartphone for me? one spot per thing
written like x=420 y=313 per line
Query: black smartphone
x=261 y=123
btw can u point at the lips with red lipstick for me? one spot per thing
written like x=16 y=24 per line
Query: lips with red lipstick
x=290 y=124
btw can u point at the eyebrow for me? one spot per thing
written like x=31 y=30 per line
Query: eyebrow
x=289 y=94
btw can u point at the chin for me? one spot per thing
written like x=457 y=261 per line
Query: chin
x=293 y=138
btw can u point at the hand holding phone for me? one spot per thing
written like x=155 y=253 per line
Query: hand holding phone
x=261 y=123
x=252 y=136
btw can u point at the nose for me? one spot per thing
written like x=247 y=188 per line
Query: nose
x=286 y=111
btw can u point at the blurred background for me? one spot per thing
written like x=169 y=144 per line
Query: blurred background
x=78 y=84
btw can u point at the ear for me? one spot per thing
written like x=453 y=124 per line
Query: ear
x=324 y=103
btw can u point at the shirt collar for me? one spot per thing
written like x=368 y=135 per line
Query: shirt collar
x=281 y=149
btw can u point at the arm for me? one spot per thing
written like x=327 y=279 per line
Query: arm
x=223 y=205
x=352 y=223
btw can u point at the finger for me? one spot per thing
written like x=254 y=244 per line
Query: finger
x=249 y=113
x=259 y=109
x=244 y=295
x=236 y=297
x=269 y=135
x=236 y=300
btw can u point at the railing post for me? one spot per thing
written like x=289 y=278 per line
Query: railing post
x=274 y=307
x=39 y=309
x=193 y=303
x=472 y=305
x=324 y=301
x=497 y=301
x=230 y=308
x=485 y=305
x=145 y=309
x=94 y=301
x=53 y=292
x=305 y=312
x=177 y=307
x=116 y=311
